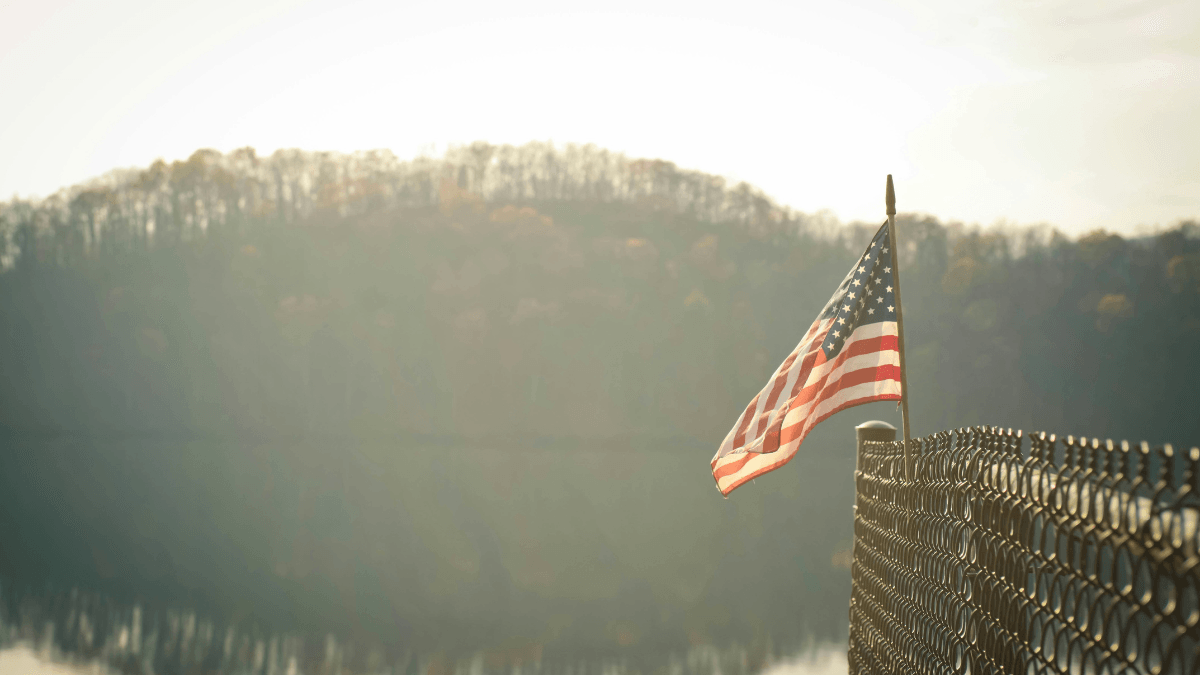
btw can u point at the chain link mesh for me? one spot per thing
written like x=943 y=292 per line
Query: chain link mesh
x=1008 y=554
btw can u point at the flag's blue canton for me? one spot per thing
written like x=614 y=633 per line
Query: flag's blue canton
x=866 y=295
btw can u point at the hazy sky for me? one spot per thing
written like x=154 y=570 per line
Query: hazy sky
x=1082 y=114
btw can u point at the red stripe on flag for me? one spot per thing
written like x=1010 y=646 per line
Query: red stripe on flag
x=860 y=347
x=735 y=466
x=799 y=430
x=771 y=439
x=851 y=379
x=777 y=388
x=740 y=438
x=787 y=458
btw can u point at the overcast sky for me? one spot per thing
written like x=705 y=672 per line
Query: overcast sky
x=1081 y=114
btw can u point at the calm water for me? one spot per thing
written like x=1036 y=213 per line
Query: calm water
x=433 y=554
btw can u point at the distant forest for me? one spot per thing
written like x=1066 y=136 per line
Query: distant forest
x=538 y=292
x=469 y=403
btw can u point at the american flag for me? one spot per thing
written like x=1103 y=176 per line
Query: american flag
x=848 y=357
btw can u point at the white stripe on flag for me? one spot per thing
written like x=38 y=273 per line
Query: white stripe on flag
x=760 y=463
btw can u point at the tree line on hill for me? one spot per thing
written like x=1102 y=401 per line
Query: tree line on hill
x=472 y=400
x=533 y=291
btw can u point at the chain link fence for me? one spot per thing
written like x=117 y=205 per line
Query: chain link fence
x=1013 y=554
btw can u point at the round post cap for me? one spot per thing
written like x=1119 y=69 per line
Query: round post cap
x=875 y=430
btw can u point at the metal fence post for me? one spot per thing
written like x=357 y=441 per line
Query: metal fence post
x=872 y=431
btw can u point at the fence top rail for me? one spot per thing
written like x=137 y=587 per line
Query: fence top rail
x=1178 y=467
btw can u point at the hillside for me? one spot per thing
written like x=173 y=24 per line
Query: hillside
x=471 y=401
x=521 y=292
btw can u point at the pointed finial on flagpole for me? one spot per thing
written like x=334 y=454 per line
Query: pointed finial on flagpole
x=891 y=197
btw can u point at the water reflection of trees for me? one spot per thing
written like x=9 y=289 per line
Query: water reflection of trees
x=339 y=311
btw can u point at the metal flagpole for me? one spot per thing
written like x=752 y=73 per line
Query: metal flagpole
x=891 y=215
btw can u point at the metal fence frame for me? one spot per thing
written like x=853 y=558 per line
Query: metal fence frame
x=1008 y=554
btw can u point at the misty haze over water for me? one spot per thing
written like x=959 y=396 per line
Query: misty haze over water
x=463 y=408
